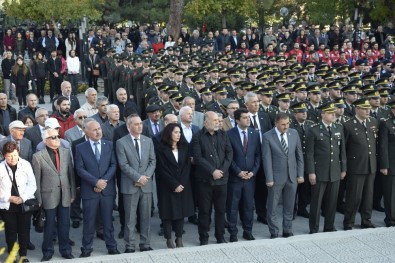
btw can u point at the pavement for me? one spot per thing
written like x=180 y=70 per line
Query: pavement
x=358 y=245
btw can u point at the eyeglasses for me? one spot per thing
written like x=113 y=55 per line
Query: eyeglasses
x=55 y=137
x=82 y=117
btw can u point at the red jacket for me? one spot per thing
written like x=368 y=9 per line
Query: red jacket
x=64 y=122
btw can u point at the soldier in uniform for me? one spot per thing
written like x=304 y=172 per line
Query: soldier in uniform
x=283 y=106
x=220 y=93
x=107 y=66
x=314 y=95
x=350 y=96
x=187 y=89
x=266 y=97
x=326 y=165
x=214 y=75
x=138 y=77
x=340 y=108
x=361 y=134
x=302 y=126
x=152 y=91
x=120 y=79
x=206 y=100
x=376 y=111
x=300 y=93
x=174 y=104
x=234 y=75
x=387 y=164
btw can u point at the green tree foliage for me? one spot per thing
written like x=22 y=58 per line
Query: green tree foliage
x=50 y=10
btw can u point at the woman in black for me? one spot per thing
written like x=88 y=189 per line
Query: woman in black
x=20 y=78
x=17 y=184
x=173 y=173
x=39 y=74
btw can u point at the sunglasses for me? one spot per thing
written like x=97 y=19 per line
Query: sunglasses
x=55 y=137
x=82 y=117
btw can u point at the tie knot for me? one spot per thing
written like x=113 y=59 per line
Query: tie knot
x=282 y=134
x=328 y=127
x=243 y=132
x=96 y=143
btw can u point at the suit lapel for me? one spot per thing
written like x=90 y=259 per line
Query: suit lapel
x=236 y=135
x=144 y=148
x=46 y=157
x=277 y=140
x=133 y=148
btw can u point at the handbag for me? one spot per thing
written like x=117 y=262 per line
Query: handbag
x=96 y=72
x=30 y=205
x=39 y=219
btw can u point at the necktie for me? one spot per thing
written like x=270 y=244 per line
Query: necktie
x=284 y=144
x=156 y=127
x=329 y=130
x=375 y=114
x=97 y=153
x=81 y=133
x=364 y=124
x=302 y=126
x=255 y=124
x=136 y=144
x=245 y=142
x=57 y=160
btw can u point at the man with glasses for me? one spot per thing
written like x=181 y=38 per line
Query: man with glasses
x=229 y=122
x=53 y=168
x=77 y=131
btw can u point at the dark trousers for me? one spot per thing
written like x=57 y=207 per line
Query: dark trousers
x=16 y=225
x=40 y=84
x=105 y=82
x=208 y=195
x=378 y=189
x=92 y=81
x=22 y=95
x=75 y=208
x=177 y=225
x=92 y=208
x=342 y=192
x=329 y=192
x=73 y=79
x=359 y=194
x=55 y=85
x=388 y=182
x=260 y=194
x=240 y=196
x=62 y=223
x=303 y=195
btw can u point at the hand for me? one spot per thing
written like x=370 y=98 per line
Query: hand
x=97 y=190
x=192 y=160
x=384 y=171
x=138 y=184
x=55 y=74
x=101 y=184
x=243 y=175
x=143 y=179
x=250 y=174
x=179 y=189
x=342 y=175
x=312 y=179
x=270 y=184
x=300 y=180
x=217 y=174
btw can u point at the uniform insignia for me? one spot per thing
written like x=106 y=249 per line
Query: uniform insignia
x=355 y=121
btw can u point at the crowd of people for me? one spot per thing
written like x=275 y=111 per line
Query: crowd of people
x=228 y=124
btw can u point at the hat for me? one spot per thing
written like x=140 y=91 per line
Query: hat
x=328 y=107
x=315 y=88
x=280 y=79
x=218 y=88
x=177 y=96
x=19 y=125
x=384 y=92
x=51 y=123
x=266 y=92
x=339 y=103
x=247 y=85
x=300 y=87
x=361 y=62
x=205 y=90
x=351 y=89
x=252 y=70
x=299 y=107
x=343 y=69
x=382 y=82
x=391 y=104
x=152 y=108
x=354 y=75
x=373 y=94
x=289 y=86
x=369 y=77
x=310 y=65
x=199 y=79
x=356 y=82
x=162 y=87
x=157 y=75
x=368 y=87
x=284 y=96
x=213 y=69
x=334 y=85
x=362 y=103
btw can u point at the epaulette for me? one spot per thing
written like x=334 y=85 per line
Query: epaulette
x=348 y=120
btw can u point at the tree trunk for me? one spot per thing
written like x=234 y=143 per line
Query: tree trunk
x=175 y=18
x=223 y=20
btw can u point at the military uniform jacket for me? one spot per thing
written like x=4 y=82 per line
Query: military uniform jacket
x=302 y=132
x=313 y=114
x=326 y=152
x=361 y=146
x=387 y=145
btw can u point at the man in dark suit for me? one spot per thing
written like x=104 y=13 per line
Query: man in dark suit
x=54 y=65
x=136 y=158
x=361 y=134
x=326 y=166
x=283 y=164
x=34 y=133
x=245 y=165
x=95 y=164
x=53 y=168
x=260 y=121
x=7 y=114
x=212 y=154
x=65 y=88
x=234 y=40
x=387 y=165
x=152 y=125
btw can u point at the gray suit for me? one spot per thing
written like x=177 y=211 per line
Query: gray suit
x=197 y=119
x=132 y=168
x=283 y=170
x=49 y=180
x=25 y=150
x=72 y=134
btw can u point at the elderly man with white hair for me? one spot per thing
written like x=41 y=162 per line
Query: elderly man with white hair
x=52 y=123
x=186 y=117
x=113 y=122
x=197 y=118
x=90 y=104
x=77 y=131
x=17 y=130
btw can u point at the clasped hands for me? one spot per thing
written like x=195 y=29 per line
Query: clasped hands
x=142 y=181
x=100 y=185
x=245 y=175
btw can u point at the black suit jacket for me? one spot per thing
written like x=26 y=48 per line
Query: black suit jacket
x=34 y=135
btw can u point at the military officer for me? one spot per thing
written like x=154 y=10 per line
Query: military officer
x=265 y=96
x=314 y=96
x=326 y=166
x=361 y=134
x=220 y=93
x=350 y=96
x=174 y=104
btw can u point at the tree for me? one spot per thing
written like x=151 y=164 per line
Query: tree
x=49 y=10
x=175 y=18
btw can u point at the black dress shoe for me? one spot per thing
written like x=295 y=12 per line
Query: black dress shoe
x=85 y=254
x=313 y=232
x=233 y=238
x=121 y=233
x=221 y=240
x=263 y=220
x=378 y=208
x=113 y=251
x=46 y=258
x=248 y=236
x=330 y=230
x=347 y=228
x=30 y=246
x=69 y=256
x=367 y=225
x=204 y=242
x=75 y=224
x=129 y=250
x=288 y=234
x=100 y=236
x=145 y=249
x=273 y=236
x=303 y=213
x=24 y=260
